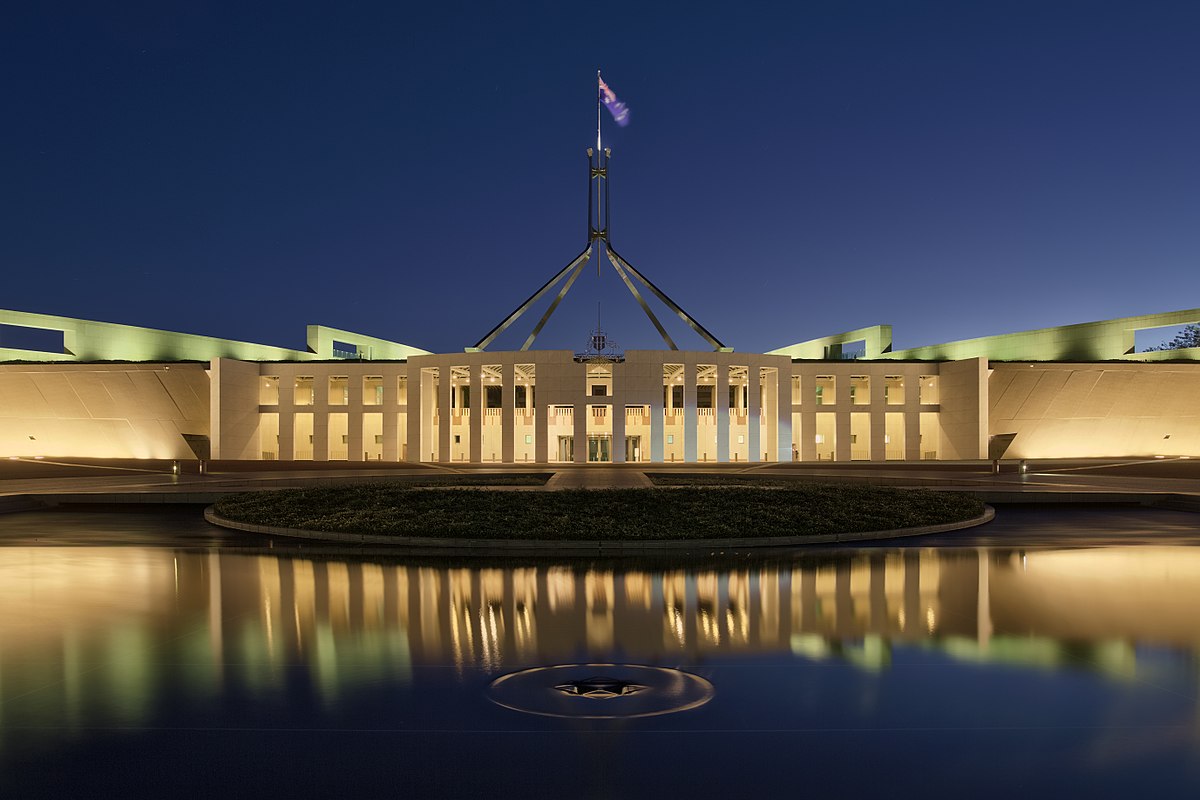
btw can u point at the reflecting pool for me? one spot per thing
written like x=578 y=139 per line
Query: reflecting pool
x=981 y=666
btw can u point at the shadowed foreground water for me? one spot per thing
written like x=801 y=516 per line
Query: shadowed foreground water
x=1051 y=663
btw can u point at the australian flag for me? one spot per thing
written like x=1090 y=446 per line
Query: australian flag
x=619 y=111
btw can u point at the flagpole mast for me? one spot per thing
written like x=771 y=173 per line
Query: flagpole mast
x=598 y=104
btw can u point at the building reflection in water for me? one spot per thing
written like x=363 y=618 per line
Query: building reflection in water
x=116 y=627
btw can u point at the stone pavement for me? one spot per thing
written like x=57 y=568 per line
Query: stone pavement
x=1172 y=483
x=598 y=478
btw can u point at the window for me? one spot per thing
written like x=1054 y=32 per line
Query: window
x=303 y=391
x=339 y=390
x=927 y=393
x=860 y=390
x=373 y=390
x=704 y=396
x=599 y=390
x=824 y=387
x=893 y=390
x=268 y=391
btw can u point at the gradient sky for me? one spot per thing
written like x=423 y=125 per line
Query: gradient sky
x=413 y=172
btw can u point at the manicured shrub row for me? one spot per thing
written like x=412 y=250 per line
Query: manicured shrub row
x=607 y=514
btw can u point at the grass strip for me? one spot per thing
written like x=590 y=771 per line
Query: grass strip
x=601 y=515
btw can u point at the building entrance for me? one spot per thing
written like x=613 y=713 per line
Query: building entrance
x=599 y=448
x=633 y=448
x=566 y=448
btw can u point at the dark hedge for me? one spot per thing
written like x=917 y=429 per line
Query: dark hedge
x=605 y=514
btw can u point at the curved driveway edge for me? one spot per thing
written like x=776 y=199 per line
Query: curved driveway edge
x=577 y=547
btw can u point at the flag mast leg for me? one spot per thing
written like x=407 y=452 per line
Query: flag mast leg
x=598 y=104
x=599 y=151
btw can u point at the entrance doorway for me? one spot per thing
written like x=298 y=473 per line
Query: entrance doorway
x=599 y=448
x=566 y=448
x=633 y=448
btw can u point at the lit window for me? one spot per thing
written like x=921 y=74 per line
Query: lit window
x=373 y=390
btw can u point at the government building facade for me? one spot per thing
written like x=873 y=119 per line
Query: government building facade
x=117 y=391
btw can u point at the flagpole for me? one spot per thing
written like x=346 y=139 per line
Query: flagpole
x=598 y=104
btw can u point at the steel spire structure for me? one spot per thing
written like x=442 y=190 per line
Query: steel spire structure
x=599 y=235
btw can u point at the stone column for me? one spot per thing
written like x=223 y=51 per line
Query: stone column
x=354 y=418
x=446 y=416
x=754 y=414
x=320 y=443
x=580 y=422
x=808 y=433
x=508 y=422
x=842 y=423
x=721 y=409
x=690 y=426
x=912 y=434
x=618 y=412
x=478 y=402
x=391 y=418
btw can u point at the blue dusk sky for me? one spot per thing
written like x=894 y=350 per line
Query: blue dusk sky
x=414 y=171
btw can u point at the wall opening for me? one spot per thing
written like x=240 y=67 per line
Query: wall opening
x=18 y=337
x=1167 y=337
x=372 y=437
x=825 y=436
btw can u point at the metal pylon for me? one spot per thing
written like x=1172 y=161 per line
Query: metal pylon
x=599 y=233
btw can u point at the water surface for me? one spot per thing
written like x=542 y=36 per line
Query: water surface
x=151 y=653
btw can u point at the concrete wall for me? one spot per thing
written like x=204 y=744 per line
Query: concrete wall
x=234 y=409
x=834 y=416
x=1085 y=410
x=876 y=338
x=964 y=409
x=1091 y=341
x=638 y=381
x=102 y=410
x=1086 y=341
x=89 y=340
x=1057 y=410
x=393 y=423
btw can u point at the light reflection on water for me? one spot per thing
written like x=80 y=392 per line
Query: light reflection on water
x=124 y=636
x=107 y=609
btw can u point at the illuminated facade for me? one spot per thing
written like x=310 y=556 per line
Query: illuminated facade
x=117 y=391
x=1073 y=391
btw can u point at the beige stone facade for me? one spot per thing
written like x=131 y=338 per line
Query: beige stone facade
x=335 y=403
